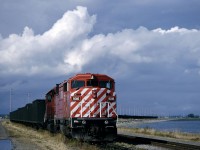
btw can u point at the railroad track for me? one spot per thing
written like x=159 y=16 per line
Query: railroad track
x=160 y=142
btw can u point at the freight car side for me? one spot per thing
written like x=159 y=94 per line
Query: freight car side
x=32 y=114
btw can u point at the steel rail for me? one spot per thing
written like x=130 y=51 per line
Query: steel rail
x=161 y=142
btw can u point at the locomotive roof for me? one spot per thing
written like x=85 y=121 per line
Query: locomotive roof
x=90 y=75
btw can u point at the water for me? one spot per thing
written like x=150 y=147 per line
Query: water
x=192 y=126
x=5 y=145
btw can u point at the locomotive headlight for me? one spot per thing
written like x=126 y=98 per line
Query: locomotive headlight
x=76 y=121
x=83 y=122
x=75 y=98
x=106 y=122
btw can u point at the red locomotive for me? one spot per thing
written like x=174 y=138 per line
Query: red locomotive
x=83 y=107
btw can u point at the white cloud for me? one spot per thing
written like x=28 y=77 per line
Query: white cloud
x=40 y=54
x=174 y=30
x=67 y=47
x=176 y=47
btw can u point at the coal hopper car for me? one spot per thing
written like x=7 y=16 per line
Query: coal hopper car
x=31 y=114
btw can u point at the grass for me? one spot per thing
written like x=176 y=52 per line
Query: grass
x=48 y=141
x=44 y=139
x=153 y=132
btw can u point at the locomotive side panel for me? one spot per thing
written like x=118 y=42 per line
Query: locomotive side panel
x=62 y=102
x=50 y=105
x=68 y=103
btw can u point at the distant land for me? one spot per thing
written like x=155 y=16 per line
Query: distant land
x=187 y=117
x=4 y=115
x=137 y=117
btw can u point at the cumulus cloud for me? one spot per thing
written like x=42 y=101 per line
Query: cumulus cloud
x=67 y=47
x=176 y=46
x=31 y=54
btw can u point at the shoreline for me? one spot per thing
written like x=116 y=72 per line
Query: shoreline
x=135 y=122
x=171 y=125
x=162 y=134
x=130 y=126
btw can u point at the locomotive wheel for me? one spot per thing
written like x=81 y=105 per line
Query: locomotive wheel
x=65 y=130
x=50 y=127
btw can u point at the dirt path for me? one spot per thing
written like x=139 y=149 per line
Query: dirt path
x=5 y=142
x=18 y=143
x=3 y=133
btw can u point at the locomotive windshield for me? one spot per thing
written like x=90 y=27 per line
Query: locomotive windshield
x=78 y=83
x=92 y=82
x=101 y=84
x=105 y=84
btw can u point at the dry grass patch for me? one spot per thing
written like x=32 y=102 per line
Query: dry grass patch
x=175 y=134
x=44 y=139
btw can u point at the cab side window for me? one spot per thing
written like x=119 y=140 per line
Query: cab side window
x=65 y=87
x=49 y=98
x=105 y=84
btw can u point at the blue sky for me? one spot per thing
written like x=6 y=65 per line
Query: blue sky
x=150 y=47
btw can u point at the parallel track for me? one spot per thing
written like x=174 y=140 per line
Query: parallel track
x=174 y=145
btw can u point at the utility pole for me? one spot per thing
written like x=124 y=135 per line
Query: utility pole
x=10 y=99
x=28 y=97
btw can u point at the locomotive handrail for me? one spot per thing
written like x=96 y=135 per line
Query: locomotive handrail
x=115 y=113
x=108 y=104
x=82 y=108
x=101 y=109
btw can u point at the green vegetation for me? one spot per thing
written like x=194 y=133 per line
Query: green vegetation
x=192 y=116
